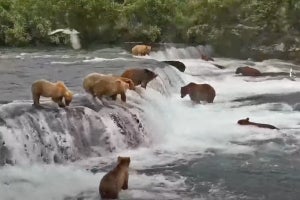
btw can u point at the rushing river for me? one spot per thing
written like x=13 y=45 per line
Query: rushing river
x=178 y=150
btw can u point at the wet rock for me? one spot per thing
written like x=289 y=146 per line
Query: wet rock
x=67 y=134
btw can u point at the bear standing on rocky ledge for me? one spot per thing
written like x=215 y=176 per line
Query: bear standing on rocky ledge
x=141 y=50
x=91 y=79
x=57 y=91
x=139 y=76
x=116 y=180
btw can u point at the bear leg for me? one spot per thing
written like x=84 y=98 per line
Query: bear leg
x=123 y=96
x=99 y=96
x=125 y=184
x=36 y=99
x=144 y=84
x=114 y=97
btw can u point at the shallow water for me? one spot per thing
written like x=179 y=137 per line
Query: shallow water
x=178 y=150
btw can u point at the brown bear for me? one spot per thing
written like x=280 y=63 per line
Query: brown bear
x=139 y=76
x=90 y=80
x=198 y=92
x=247 y=122
x=57 y=91
x=177 y=64
x=141 y=50
x=110 y=86
x=247 y=71
x=115 y=180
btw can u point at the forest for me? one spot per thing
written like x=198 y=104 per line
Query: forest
x=230 y=26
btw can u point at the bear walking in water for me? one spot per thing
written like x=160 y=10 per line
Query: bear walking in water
x=248 y=71
x=141 y=50
x=198 y=92
x=247 y=122
x=139 y=76
x=115 y=180
x=57 y=91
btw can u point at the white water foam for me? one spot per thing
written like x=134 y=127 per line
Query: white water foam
x=179 y=130
x=69 y=182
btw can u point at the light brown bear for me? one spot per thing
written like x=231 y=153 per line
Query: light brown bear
x=90 y=80
x=139 y=76
x=247 y=122
x=115 y=180
x=57 y=91
x=199 y=92
x=110 y=86
x=141 y=50
x=248 y=71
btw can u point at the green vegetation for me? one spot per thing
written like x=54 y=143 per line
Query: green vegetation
x=229 y=25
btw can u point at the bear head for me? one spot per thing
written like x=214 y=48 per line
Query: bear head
x=244 y=121
x=186 y=89
x=130 y=83
x=68 y=95
x=122 y=85
x=238 y=70
x=150 y=75
x=124 y=161
x=148 y=49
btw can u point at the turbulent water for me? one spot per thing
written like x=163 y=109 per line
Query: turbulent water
x=178 y=150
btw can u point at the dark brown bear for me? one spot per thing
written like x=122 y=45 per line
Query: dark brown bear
x=199 y=92
x=179 y=65
x=247 y=122
x=248 y=71
x=139 y=76
x=115 y=180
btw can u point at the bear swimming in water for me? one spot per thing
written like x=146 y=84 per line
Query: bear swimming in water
x=247 y=122
x=248 y=71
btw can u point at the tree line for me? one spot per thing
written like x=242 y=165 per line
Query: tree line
x=228 y=25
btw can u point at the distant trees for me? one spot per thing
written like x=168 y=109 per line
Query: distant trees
x=226 y=24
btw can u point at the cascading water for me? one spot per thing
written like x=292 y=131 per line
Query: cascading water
x=178 y=150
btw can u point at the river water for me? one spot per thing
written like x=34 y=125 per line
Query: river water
x=178 y=150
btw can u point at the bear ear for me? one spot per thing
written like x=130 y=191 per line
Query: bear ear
x=247 y=119
x=119 y=159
